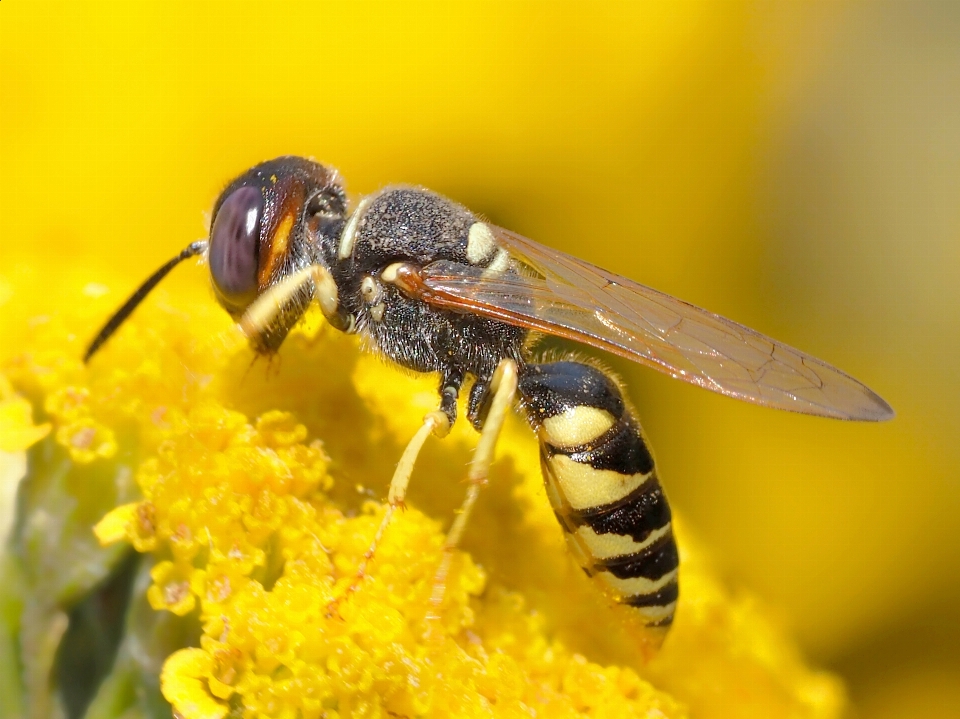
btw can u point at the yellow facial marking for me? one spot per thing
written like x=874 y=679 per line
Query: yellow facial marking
x=377 y=312
x=349 y=237
x=585 y=487
x=636 y=585
x=278 y=247
x=607 y=546
x=480 y=243
x=576 y=426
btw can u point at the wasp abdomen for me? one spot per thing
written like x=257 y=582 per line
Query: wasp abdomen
x=603 y=486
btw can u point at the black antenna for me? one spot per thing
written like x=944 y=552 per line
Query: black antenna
x=130 y=305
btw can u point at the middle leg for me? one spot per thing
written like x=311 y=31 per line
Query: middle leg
x=504 y=389
x=438 y=423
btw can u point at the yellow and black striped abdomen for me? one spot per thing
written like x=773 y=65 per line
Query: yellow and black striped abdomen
x=603 y=485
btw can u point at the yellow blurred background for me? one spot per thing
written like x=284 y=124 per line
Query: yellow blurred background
x=792 y=165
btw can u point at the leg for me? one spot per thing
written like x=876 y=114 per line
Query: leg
x=436 y=422
x=265 y=323
x=504 y=388
x=264 y=310
x=258 y=319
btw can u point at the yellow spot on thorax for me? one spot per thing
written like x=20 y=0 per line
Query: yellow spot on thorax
x=480 y=243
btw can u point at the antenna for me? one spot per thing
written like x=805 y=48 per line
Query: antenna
x=193 y=249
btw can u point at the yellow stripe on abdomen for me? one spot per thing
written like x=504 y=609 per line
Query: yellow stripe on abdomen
x=584 y=487
x=576 y=426
x=603 y=486
x=608 y=546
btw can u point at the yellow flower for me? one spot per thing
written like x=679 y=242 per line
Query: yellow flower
x=17 y=433
x=86 y=440
x=17 y=430
x=171 y=588
x=252 y=529
x=185 y=679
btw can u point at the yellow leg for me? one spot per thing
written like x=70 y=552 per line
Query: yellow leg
x=435 y=422
x=504 y=388
x=268 y=305
x=265 y=308
x=259 y=316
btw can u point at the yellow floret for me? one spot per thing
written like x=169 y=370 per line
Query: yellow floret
x=185 y=680
x=17 y=430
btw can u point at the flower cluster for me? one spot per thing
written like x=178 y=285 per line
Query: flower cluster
x=251 y=495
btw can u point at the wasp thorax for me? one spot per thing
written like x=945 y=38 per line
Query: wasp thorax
x=234 y=247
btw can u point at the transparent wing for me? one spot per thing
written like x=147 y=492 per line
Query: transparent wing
x=558 y=294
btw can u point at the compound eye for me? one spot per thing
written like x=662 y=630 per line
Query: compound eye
x=234 y=247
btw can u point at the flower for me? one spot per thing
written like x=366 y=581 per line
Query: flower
x=251 y=494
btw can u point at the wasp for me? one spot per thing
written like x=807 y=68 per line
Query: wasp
x=430 y=286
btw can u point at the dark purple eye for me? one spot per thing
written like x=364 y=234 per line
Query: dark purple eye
x=234 y=247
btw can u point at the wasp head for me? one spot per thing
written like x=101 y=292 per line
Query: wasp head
x=266 y=224
x=269 y=223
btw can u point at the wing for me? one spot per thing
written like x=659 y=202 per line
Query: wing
x=555 y=293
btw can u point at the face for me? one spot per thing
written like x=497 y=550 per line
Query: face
x=259 y=233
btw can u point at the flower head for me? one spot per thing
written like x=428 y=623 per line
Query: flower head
x=252 y=495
